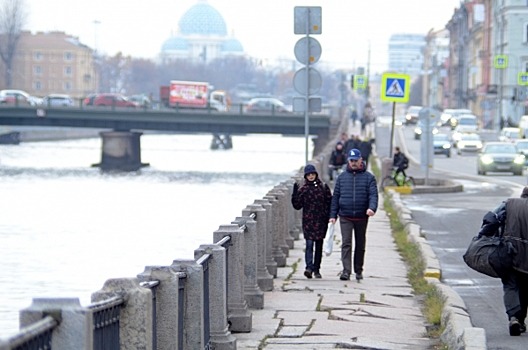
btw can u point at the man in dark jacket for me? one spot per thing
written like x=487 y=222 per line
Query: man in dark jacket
x=511 y=217
x=354 y=200
x=338 y=158
x=313 y=197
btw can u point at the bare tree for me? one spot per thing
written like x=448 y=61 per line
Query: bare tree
x=12 y=19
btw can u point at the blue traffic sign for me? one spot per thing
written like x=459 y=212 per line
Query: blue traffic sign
x=395 y=87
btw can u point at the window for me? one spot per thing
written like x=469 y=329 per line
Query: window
x=37 y=56
x=38 y=85
x=68 y=71
x=37 y=70
x=67 y=86
x=68 y=56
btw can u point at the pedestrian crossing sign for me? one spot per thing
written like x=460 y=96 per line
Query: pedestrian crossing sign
x=395 y=87
x=522 y=79
x=360 y=81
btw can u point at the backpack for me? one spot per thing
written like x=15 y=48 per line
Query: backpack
x=405 y=162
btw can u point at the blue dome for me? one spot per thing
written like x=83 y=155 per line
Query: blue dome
x=232 y=45
x=175 y=43
x=202 y=19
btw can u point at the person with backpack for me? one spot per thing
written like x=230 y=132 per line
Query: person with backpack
x=400 y=162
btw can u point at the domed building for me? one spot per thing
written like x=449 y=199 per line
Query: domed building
x=202 y=36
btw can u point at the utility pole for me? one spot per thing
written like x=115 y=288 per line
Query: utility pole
x=367 y=90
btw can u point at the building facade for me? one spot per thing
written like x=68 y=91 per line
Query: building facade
x=405 y=53
x=488 y=50
x=53 y=62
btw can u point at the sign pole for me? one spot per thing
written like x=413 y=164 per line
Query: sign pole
x=307 y=95
x=392 y=128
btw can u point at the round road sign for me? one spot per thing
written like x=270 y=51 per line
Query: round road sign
x=307 y=50
x=302 y=78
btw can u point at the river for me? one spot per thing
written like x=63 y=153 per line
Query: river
x=66 y=227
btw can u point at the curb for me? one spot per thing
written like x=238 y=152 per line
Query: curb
x=459 y=333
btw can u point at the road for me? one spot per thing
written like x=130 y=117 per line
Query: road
x=449 y=221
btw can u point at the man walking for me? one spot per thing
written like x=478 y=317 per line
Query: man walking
x=355 y=199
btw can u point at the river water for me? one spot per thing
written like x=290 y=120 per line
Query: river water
x=66 y=228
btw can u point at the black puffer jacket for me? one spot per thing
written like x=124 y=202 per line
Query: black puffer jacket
x=516 y=231
x=355 y=191
x=314 y=199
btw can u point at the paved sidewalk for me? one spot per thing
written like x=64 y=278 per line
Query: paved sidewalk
x=381 y=312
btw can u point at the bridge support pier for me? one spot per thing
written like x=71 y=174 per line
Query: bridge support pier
x=121 y=151
x=221 y=141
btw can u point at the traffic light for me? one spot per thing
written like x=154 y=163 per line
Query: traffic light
x=352 y=81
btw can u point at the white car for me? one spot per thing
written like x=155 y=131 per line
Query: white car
x=13 y=97
x=57 y=100
x=468 y=142
x=509 y=134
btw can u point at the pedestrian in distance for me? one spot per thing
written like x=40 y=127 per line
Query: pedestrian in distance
x=314 y=198
x=354 y=201
x=338 y=159
x=354 y=116
x=511 y=218
x=400 y=162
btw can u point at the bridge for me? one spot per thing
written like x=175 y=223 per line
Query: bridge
x=123 y=127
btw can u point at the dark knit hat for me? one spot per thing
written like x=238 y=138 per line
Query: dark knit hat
x=309 y=169
x=525 y=192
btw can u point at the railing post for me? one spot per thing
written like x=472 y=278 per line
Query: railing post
x=221 y=337
x=264 y=279
x=194 y=303
x=237 y=309
x=277 y=248
x=167 y=304
x=252 y=293
x=292 y=220
x=271 y=264
x=285 y=200
x=75 y=322
x=135 y=323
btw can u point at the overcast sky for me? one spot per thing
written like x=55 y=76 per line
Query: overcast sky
x=265 y=28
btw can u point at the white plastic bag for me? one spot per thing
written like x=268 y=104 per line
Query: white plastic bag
x=328 y=243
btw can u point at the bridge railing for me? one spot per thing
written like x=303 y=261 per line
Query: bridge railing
x=198 y=303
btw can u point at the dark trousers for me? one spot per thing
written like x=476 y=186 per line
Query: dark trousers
x=515 y=294
x=359 y=228
x=312 y=256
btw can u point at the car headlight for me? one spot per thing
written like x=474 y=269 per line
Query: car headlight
x=446 y=146
x=487 y=160
x=418 y=131
x=479 y=145
x=519 y=159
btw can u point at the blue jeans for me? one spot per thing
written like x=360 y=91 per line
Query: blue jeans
x=311 y=258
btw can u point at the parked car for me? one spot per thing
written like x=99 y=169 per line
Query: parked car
x=15 y=97
x=509 y=134
x=411 y=116
x=58 y=100
x=109 y=99
x=266 y=104
x=442 y=144
x=468 y=142
x=500 y=157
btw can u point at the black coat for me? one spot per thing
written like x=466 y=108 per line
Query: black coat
x=314 y=199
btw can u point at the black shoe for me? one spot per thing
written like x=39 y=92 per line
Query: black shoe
x=523 y=327
x=317 y=274
x=345 y=276
x=515 y=327
x=308 y=273
x=359 y=276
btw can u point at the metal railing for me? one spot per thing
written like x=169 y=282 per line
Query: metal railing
x=37 y=336
x=106 y=323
